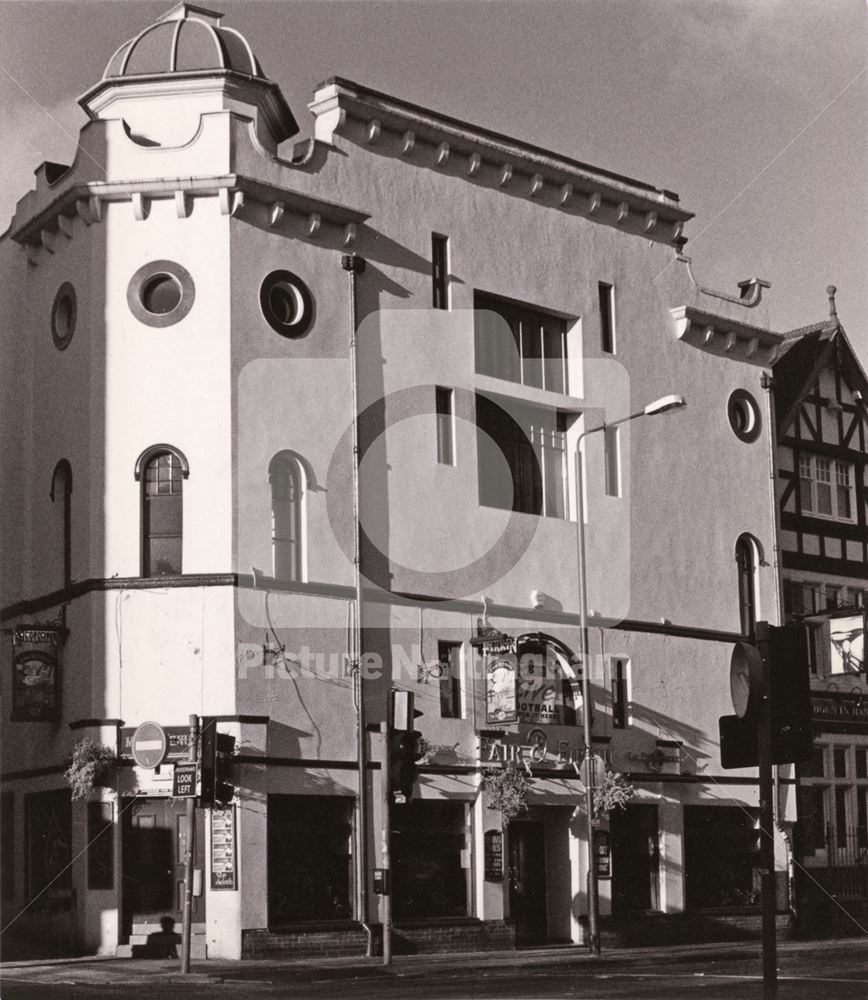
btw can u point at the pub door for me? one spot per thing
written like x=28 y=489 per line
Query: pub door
x=635 y=859
x=527 y=880
x=154 y=843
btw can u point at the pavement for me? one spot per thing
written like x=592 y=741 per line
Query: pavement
x=110 y=971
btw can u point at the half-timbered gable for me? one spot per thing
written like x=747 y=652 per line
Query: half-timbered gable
x=820 y=394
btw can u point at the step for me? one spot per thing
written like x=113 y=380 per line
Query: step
x=198 y=950
x=154 y=927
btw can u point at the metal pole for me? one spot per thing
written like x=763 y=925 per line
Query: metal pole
x=387 y=844
x=190 y=854
x=767 y=838
x=355 y=265
x=593 y=893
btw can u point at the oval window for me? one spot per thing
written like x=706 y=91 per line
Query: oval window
x=161 y=293
x=744 y=415
x=286 y=303
x=63 y=315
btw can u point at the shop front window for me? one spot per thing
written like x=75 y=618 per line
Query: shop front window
x=721 y=857
x=428 y=845
x=309 y=858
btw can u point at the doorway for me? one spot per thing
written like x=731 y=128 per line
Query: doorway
x=635 y=859
x=154 y=839
x=527 y=881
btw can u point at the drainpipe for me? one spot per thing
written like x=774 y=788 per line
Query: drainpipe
x=354 y=265
x=768 y=383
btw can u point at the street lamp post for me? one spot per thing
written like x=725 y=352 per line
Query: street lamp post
x=662 y=405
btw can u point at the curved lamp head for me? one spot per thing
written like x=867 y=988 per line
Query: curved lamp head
x=664 y=404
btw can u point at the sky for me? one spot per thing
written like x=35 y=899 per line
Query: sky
x=754 y=111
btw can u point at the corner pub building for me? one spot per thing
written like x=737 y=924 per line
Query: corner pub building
x=179 y=527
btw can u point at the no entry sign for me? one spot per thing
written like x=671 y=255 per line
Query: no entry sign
x=150 y=745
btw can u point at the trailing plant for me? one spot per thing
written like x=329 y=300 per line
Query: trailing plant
x=92 y=766
x=507 y=789
x=613 y=792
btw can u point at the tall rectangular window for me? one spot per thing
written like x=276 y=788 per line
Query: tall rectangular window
x=444 y=403
x=806 y=484
x=824 y=486
x=619 y=692
x=612 y=448
x=440 y=271
x=844 y=498
x=520 y=343
x=606 y=293
x=449 y=657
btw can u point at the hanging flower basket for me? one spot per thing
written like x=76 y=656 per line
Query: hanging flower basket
x=613 y=792
x=507 y=789
x=92 y=766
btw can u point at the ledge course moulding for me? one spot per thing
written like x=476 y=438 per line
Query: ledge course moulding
x=726 y=337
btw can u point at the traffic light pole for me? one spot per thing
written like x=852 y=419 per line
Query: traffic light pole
x=767 y=819
x=189 y=856
x=386 y=856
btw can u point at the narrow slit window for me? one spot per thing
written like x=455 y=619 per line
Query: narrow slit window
x=607 y=317
x=619 y=693
x=449 y=656
x=612 y=445
x=440 y=270
x=445 y=426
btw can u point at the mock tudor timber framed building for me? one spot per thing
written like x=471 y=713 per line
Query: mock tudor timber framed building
x=179 y=529
x=822 y=420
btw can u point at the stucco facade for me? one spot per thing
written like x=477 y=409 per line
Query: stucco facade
x=183 y=166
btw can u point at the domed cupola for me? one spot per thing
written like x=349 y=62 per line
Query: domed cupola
x=187 y=54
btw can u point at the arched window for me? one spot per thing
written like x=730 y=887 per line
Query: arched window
x=287 y=493
x=162 y=470
x=746 y=558
x=61 y=496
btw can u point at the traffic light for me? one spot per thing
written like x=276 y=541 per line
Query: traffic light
x=224 y=786
x=404 y=751
x=217 y=752
x=405 y=746
x=786 y=665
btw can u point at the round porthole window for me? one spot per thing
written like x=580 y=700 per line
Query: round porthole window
x=286 y=303
x=744 y=415
x=161 y=293
x=63 y=314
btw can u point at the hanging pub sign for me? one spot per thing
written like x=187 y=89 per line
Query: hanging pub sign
x=36 y=672
x=501 y=688
x=847 y=643
x=545 y=693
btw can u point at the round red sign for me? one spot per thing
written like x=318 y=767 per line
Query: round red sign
x=150 y=745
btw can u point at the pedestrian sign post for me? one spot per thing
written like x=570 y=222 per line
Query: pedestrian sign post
x=185 y=783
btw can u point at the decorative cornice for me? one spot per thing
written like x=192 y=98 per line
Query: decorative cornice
x=87 y=200
x=547 y=176
x=726 y=337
